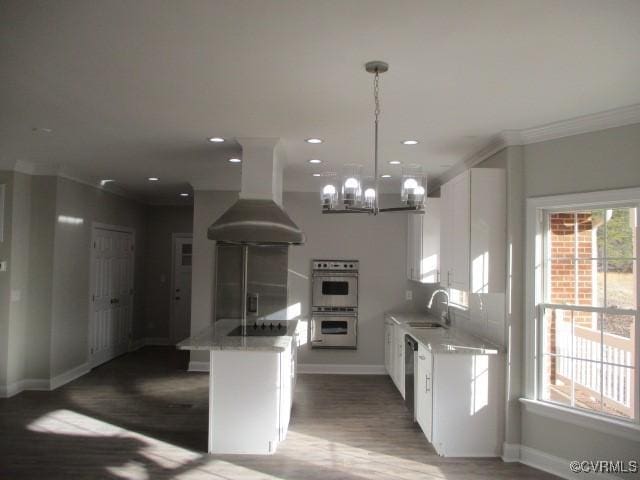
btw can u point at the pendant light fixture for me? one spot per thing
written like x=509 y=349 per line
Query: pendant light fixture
x=357 y=198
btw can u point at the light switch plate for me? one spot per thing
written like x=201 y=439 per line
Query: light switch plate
x=408 y=295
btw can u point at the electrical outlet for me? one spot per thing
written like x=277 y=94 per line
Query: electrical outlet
x=408 y=295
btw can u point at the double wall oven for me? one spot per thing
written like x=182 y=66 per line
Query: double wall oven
x=334 y=304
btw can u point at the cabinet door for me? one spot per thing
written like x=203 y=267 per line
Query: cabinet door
x=388 y=342
x=446 y=233
x=429 y=260
x=461 y=198
x=424 y=391
x=414 y=246
x=399 y=358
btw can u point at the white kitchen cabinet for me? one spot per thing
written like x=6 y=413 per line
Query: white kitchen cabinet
x=394 y=353
x=472 y=234
x=467 y=411
x=455 y=231
x=388 y=347
x=488 y=230
x=424 y=391
x=423 y=244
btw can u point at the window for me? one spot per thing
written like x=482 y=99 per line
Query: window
x=586 y=270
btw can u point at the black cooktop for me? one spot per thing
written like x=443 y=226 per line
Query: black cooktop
x=261 y=330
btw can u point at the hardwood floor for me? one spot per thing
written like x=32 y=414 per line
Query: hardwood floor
x=142 y=416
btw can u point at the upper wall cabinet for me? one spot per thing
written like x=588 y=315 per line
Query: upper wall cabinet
x=472 y=232
x=423 y=244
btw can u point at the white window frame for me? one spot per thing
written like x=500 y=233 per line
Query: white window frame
x=535 y=208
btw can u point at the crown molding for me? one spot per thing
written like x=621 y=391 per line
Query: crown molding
x=617 y=117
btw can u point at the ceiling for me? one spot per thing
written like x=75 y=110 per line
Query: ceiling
x=132 y=89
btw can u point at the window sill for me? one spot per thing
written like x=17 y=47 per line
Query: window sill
x=609 y=426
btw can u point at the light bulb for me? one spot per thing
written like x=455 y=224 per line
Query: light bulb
x=369 y=193
x=418 y=190
x=329 y=190
x=351 y=183
x=410 y=184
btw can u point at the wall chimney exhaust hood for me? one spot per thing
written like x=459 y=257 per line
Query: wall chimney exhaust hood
x=257 y=218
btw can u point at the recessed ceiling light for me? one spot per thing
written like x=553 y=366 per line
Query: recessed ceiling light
x=394 y=162
x=386 y=175
x=409 y=142
x=235 y=160
x=216 y=139
x=153 y=179
x=105 y=181
x=317 y=175
x=315 y=160
x=313 y=140
x=184 y=194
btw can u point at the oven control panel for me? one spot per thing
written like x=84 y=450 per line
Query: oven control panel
x=340 y=265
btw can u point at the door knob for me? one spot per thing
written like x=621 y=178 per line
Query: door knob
x=177 y=298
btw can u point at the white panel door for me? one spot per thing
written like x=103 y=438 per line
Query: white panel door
x=112 y=297
x=181 y=294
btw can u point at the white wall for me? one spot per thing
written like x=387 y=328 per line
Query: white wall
x=6 y=179
x=71 y=265
x=379 y=243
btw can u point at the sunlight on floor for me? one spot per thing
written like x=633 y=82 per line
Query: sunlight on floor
x=347 y=458
x=171 y=459
x=154 y=455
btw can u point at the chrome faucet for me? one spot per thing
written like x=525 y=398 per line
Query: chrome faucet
x=446 y=315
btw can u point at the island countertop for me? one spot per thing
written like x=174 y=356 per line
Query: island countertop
x=446 y=340
x=216 y=337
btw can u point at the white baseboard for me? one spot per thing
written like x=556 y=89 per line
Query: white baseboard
x=158 y=341
x=510 y=452
x=69 y=376
x=150 y=342
x=198 y=366
x=15 y=388
x=337 y=369
x=546 y=462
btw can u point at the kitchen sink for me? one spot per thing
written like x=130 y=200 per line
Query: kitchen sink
x=425 y=325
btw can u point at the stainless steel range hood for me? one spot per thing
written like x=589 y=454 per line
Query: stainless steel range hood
x=256 y=222
x=257 y=218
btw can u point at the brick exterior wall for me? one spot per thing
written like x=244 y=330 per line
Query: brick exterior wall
x=571 y=281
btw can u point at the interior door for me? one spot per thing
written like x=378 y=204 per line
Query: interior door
x=112 y=297
x=181 y=294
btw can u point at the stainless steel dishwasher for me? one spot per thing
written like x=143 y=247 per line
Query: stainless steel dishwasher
x=410 y=349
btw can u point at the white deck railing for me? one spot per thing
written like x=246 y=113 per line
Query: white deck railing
x=615 y=373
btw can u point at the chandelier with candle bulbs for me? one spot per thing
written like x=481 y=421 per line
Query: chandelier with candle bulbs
x=361 y=196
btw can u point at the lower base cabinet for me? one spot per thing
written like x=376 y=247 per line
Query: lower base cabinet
x=458 y=397
x=424 y=391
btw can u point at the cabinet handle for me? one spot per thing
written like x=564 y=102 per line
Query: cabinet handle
x=427 y=388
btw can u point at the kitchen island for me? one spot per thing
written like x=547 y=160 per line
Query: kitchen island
x=251 y=384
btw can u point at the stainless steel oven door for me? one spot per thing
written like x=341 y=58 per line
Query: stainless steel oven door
x=335 y=290
x=334 y=331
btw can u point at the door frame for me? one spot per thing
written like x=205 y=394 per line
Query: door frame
x=114 y=228
x=174 y=237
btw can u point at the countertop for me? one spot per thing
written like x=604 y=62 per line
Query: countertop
x=449 y=340
x=216 y=337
